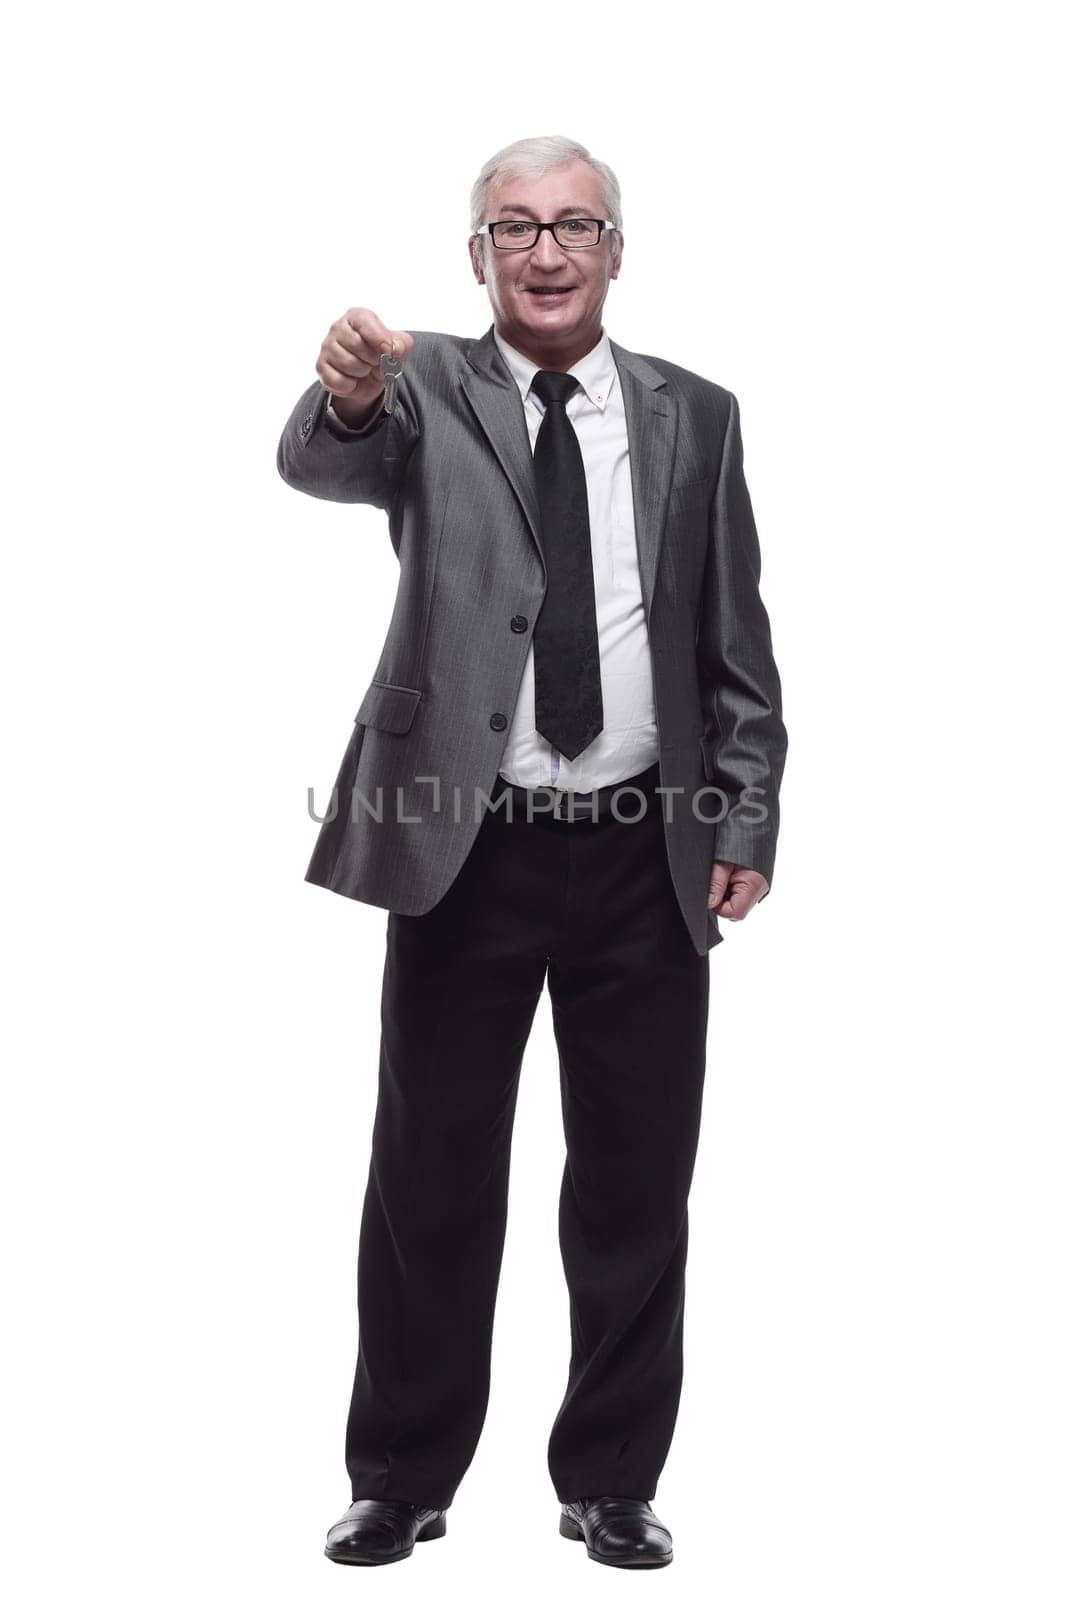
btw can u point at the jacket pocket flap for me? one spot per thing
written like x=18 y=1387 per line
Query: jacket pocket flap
x=388 y=706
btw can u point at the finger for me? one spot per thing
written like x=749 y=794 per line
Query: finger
x=393 y=344
x=349 y=352
x=378 y=340
x=368 y=327
x=742 y=899
x=352 y=366
x=346 y=345
x=336 y=381
x=720 y=877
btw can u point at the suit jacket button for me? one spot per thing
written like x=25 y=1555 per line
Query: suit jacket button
x=519 y=624
x=498 y=720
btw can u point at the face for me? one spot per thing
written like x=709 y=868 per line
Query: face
x=554 y=328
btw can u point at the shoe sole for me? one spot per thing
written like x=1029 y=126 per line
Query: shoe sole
x=572 y=1530
x=431 y=1530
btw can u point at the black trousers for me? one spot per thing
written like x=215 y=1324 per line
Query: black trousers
x=591 y=904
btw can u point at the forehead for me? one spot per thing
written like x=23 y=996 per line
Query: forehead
x=573 y=186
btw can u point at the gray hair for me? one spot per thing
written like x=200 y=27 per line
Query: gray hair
x=530 y=158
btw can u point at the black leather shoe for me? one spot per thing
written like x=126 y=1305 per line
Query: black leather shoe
x=618 y=1532
x=372 y=1532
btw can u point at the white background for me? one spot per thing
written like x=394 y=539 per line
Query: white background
x=848 y=216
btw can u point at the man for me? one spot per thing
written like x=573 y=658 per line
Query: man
x=578 y=620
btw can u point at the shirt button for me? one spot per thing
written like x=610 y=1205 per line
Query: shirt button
x=519 y=624
x=497 y=721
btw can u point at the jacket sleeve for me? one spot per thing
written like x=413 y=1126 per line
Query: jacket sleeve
x=740 y=690
x=318 y=455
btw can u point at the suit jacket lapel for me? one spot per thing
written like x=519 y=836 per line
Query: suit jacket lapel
x=651 y=424
x=494 y=394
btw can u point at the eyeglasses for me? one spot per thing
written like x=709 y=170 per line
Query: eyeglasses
x=572 y=233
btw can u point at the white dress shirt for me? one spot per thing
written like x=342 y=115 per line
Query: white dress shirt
x=629 y=740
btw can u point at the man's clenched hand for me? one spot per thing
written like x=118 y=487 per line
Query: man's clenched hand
x=348 y=363
x=735 y=890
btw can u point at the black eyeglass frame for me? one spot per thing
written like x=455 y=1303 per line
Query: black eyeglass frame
x=602 y=227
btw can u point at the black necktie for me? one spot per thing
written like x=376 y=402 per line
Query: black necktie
x=569 y=710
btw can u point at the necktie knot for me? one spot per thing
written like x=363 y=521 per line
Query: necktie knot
x=552 y=386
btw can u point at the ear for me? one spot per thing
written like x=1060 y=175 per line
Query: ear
x=618 y=256
x=473 y=249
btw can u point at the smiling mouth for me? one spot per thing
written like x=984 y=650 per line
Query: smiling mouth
x=552 y=293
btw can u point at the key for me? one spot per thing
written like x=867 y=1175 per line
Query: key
x=391 y=368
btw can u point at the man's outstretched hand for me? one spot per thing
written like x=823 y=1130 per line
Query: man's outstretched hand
x=735 y=890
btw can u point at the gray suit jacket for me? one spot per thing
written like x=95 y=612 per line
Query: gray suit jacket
x=453 y=468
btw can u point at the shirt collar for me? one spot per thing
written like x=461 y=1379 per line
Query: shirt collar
x=595 y=371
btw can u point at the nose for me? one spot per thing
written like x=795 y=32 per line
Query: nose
x=547 y=252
